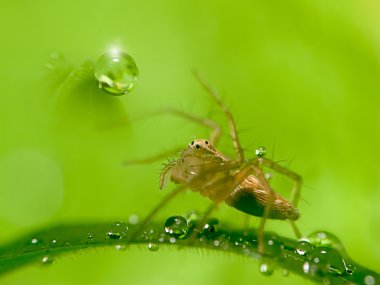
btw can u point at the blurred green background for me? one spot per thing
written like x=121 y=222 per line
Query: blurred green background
x=302 y=76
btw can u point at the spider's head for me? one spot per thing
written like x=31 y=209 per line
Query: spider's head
x=200 y=144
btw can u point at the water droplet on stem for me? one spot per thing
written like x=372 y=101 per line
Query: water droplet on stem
x=176 y=226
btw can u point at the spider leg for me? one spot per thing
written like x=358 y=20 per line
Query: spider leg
x=297 y=179
x=260 y=230
x=153 y=158
x=296 y=191
x=231 y=121
x=215 y=128
x=156 y=209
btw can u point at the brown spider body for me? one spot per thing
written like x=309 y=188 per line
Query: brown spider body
x=197 y=167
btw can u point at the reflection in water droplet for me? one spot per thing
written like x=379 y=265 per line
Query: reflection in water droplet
x=176 y=226
x=118 y=231
x=116 y=72
x=153 y=246
x=369 y=280
x=266 y=268
x=260 y=151
x=34 y=241
x=303 y=248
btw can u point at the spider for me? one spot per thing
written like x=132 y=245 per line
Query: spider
x=239 y=182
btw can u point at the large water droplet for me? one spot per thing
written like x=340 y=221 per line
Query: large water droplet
x=303 y=248
x=116 y=72
x=153 y=246
x=323 y=260
x=118 y=231
x=266 y=268
x=260 y=151
x=176 y=226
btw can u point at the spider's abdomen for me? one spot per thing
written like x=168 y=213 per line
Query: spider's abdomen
x=252 y=199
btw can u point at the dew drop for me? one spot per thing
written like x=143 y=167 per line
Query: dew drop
x=34 y=241
x=176 y=226
x=118 y=231
x=172 y=240
x=284 y=272
x=303 y=248
x=326 y=239
x=133 y=219
x=369 y=280
x=120 y=247
x=272 y=246
x=211 y=227
x=260 y=151
x=47 y=260
x=90 y=236
x=266 y=268
x=153 y=246
x=325 y=260
x=116 y=72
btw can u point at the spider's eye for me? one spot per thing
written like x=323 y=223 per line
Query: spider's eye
x=197 y=146
x=192 y=143
x=206 y=142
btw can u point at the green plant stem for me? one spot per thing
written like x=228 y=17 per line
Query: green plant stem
x=44 y=245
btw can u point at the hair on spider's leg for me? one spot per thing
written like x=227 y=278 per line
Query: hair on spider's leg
x=231 y=121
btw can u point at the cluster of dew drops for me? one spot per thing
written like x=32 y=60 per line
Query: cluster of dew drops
x=321 y=253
